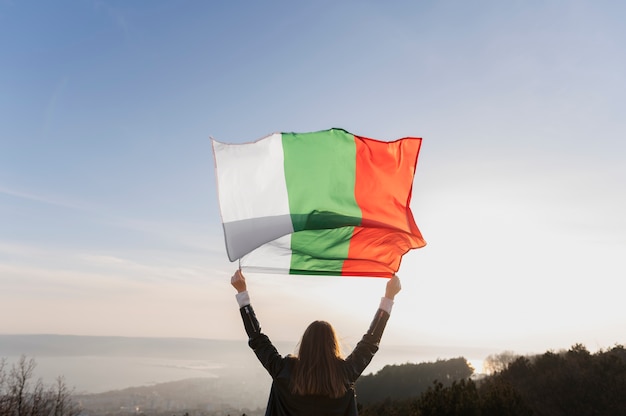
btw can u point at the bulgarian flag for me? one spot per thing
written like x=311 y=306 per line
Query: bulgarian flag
x=325 y=202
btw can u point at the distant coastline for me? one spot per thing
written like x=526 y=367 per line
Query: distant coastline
x=96 y=364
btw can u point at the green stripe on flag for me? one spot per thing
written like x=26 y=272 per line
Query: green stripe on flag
x=320 y=252
x=320 y=172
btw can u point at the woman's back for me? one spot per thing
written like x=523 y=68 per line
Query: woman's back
x=282 y=400
x=317 y=382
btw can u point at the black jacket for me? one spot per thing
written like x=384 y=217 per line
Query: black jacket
x=281 y=401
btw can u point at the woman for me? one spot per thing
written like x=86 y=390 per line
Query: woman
x=318 y=381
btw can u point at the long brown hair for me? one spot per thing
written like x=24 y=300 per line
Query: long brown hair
x=318 y=369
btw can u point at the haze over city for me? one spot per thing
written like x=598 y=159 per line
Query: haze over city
x=110 y=221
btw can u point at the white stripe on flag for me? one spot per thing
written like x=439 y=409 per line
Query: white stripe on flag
x=251 y=179
x=273 y=257
x=252 y=193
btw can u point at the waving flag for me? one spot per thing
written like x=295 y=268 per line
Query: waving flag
x=326 y=202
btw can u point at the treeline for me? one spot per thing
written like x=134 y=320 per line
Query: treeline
x=410 y=380
x=573 y=382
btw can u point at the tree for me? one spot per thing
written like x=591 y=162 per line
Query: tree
x=495 y=363
x=459 y=399
x=20 y=396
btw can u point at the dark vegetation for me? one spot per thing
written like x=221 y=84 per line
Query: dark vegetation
x=573 y=382
x=409 y=380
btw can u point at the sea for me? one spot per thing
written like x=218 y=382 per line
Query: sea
x=101 y=364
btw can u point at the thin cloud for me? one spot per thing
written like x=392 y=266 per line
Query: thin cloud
x=48 y=263
x=205 y=237
x=145 y=272
x=46 y=199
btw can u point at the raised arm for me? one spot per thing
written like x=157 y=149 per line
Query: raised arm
x=259 y=342
x=368 y=346
x=251 y=324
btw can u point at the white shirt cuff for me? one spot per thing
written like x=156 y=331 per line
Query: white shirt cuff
x=386 y=304
x=243 y=298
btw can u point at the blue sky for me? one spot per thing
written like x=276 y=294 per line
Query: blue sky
x=109 y=222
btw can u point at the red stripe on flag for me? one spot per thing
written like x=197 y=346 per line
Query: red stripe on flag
x=383 y=185
x=375 y=252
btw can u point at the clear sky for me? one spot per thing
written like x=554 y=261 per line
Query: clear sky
x=109 y=222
